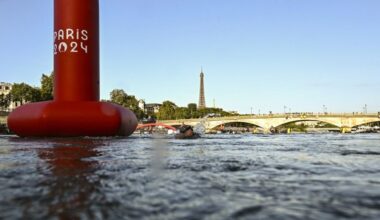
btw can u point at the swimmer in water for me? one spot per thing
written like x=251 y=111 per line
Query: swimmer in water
x=186 y=132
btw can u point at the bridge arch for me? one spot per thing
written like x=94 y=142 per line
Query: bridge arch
x=288 y=121
x=366 y=122
x=217 y=124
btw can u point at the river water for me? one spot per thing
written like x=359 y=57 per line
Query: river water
x=319 y=176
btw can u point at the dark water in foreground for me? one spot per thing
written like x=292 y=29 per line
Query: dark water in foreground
x=217 y=177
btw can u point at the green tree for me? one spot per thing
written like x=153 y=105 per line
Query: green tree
x=182 y=113
x=216 y=111
x=167 y=111
x=25 y=93
x=47 y=87
x=133 y=104
x=5 y=101
x=120 y=97
x=192 y=107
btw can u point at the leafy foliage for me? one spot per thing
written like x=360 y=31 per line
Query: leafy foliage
x=167 y=111
x=120 y=97
x=5 y=101
x=25 y=93
x=47 y=87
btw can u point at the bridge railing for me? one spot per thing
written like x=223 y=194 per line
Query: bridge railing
x=280 y=115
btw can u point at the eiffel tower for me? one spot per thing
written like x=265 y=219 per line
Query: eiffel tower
x=202 y=102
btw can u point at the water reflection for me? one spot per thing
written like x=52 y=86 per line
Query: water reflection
x=70 y=187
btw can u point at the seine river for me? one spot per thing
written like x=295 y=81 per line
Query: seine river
x=320 y=176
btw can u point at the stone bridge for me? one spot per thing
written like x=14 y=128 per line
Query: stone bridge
x=343 y=121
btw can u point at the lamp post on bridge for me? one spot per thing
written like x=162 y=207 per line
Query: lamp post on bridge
x=284 y=109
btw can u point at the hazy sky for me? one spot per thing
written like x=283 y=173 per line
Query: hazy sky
x=260 y=54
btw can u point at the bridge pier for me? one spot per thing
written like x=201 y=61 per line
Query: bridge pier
x=266 y=131
x=255 y=131
x=344 y=130
x=289 y=131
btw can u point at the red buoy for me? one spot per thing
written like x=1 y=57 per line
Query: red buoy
x=75 y=110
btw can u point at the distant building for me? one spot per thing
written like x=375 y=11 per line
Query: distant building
x=5 y=89
x=142 y=104
x=150 y=108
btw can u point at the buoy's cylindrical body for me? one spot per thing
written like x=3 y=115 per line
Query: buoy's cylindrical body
x=76 y=50
x=76 y=110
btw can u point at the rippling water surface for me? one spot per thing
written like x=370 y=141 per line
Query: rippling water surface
x=326 y=176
